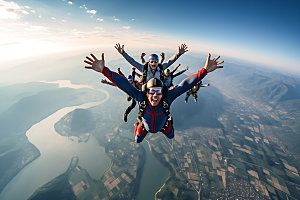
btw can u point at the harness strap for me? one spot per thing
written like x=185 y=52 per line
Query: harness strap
x=145 y=71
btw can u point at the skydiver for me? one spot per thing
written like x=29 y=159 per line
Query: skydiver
x=154 y=99
x=168 y=76
x=152 y=64
x=162 y=55
x=193 y=91
x=135 y=83
x=133 y=73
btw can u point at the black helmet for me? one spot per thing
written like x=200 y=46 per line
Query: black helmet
x=153 y=57
x=153 y=82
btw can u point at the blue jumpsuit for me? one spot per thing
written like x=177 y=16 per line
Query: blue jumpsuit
x=153 y=118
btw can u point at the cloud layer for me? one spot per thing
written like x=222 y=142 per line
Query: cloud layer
x=11 y=10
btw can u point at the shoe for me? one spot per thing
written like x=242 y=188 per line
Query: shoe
x=125 y=117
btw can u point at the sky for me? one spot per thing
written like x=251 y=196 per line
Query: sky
x=265 y=32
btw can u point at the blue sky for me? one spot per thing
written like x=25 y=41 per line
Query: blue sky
x=263 y=31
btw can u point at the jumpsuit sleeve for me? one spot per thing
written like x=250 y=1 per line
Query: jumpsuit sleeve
x=185 y=85
x=173 y=71
x=162 y=60
x=177 y=74
x=129 y=59
x=143 y=60
x=122 y=83
x=171 y=61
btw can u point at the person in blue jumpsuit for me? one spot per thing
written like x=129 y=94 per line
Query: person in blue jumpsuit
x=154 y=118
x=169 y=76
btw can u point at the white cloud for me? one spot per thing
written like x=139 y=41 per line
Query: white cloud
x=33 y=11
x=11 y=10
x=34 y=28
x=116 y=19
x=127 y=27
x=132 y=19
x=53 y=18
x=83 y=6
x=70 y=2
x=93 y=12
x=40 y=16
x=28 y=7
x=25 y=12
x=68 y=13
x=100 y=19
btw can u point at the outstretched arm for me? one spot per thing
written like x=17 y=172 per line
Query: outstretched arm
x=192 y=80
x=134 y=73
x=175 y=69
x=120 y=81
x=205 y=85
x=121 y=73
x=182 y=71
x=129 y=59
x=142 y=58
x=181 y=50
x=162 y=55
x=139 y=75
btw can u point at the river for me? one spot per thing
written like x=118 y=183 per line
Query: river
x=56 y=154
x=153 y=177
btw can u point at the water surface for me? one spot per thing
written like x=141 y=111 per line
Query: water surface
x=56 y=154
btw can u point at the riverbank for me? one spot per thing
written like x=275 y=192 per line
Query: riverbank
x=59 y=187
x=24 y=156
x=38 y=172
x=37 y=101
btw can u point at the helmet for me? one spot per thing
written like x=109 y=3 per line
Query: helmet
x=153 y=57
x=167 y=71
x=153 y=82
x=129 y=77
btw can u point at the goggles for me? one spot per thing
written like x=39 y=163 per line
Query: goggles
x=152 y=91
x=153 y=61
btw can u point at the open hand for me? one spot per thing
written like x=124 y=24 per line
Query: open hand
x=162 y=55
x=182 y=49
x=95 y=64
x=120 y=48
x=212 y=65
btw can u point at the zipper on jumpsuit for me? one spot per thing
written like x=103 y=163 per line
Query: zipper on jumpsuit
x=153 y=119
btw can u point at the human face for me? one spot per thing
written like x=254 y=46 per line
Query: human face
x=153 y=64
x=130 y=80
x=167 y=74
x=154 y=95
